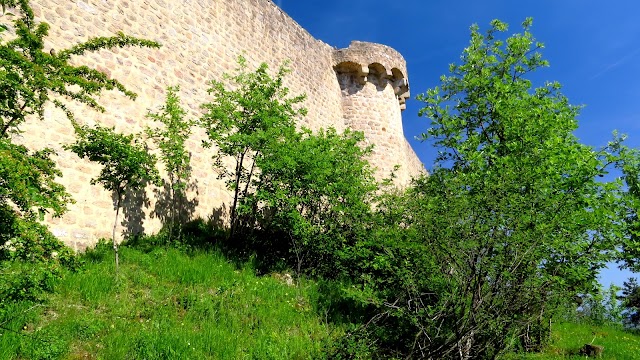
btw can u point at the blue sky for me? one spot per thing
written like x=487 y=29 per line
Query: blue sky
x=593 y=48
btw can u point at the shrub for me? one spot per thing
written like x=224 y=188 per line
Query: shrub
x=31 y=259
x=312 y=198
x=27 y=240
x=242 y=122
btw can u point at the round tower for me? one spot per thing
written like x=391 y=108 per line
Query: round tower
x=374 y=87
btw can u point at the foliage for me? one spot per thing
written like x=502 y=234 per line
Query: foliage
x=243 y=121
x=600 y=308
x=631 y=302
x=567 y=338
x=31 y=261
x=629 y=164
x=171 y=141
x=386 y=277
x=511 y=221
x=23 y=281
x=26 y=240
x=126 y=164
x=31 y=77
x=312 y=197
x=526 y=221
x=27 y=180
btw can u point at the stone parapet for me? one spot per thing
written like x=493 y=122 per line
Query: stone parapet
x=365 y=59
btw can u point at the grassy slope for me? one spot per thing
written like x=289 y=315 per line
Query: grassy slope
x=168 y=305
x=568 y=338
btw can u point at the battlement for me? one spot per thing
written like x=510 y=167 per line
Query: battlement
x=377 y=63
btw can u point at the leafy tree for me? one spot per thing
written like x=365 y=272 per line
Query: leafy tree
x=629 y=164
x=600 y=307
x=171 y=141
x=528 y=223
x=631 y=301
x=29 y=79
x=313 y=196
x=512 y=219
x=243 y=121
x=126 y=164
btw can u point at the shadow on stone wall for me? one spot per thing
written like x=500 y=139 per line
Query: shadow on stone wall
x=183 y=206
x=133 y=214
x=218 y=218
x=352 y=83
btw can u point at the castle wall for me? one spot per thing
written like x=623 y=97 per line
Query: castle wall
x=201 y=40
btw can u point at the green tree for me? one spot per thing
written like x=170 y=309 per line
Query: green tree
x=313 y=196
x=29 y=79
x=126 y=164
x=629 y=164
x=513 y=215
x=171 y=141
x=631 y=302
x=630 y=213
x=602 y=307
x=243 y=121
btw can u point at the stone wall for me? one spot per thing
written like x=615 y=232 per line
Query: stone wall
x=363 y=87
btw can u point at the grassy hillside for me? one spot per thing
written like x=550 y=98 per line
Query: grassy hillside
x=167 y=304
x=568 y=338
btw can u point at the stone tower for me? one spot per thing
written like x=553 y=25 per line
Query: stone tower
x=374 y=87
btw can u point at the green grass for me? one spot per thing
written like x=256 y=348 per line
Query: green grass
x=568 y=338
x=166 y=304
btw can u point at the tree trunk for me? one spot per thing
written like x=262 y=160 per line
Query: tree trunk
x=239 y=164
x=172 y=211
x=115 y=224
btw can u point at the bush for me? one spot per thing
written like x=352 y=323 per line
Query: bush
x=312 y=198
x=27 y=240
x=31 y=259
x=601 y=308
x=23 y=281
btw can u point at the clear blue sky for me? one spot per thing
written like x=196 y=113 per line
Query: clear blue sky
x=593 y=48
